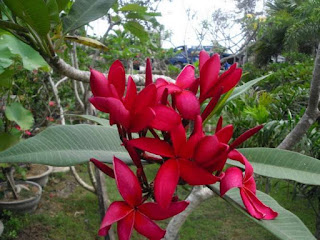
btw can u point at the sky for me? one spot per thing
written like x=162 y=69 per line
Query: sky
x=175 y=19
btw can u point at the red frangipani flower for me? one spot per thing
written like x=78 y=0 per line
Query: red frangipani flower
x=234 y=178
x=135 y=111
x=132 y=212
x=210 y=81
x=185 y=100
x=178 y=165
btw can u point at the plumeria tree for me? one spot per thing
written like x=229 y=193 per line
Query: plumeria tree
x=171 y=113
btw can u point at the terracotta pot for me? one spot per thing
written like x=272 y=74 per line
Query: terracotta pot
x=42 y=178
x=25 y=205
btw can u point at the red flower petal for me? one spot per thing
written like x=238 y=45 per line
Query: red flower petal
x=178 y=136
x=206 y=149
x=125 y=226
x=187 y=104
x=148 y=73
x=166 y=118
x=147 y=227
x=225 y=134
x=117 y=77
x=194 y=86
x=166 y=182
x=211 y=105
x=161 y=82
x=172 y=88
x=195 y=175
x=255 y=207
x=203 y=58
x=250 y=184
x=141 y=120
x=230 y=80
x=235 y=155
x=146 y=98
x=194 y=139
x=244 y=136
x=130 y=95
x=155 y=212
x=98 y=84
x=103 y=167
x=116 y=211
x=133 y=153
x=100 y=103
x=209 y=76
x=233 y=178
x=154 y=146
x=118 y=112
x=186 y=77
x=219 y=124
x=127 y=183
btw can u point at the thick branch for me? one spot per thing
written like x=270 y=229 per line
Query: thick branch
x=197 y=196
x=60 y=66
x=63 y=68
x=312 y=112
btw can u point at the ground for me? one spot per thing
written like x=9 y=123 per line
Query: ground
x=68 y=212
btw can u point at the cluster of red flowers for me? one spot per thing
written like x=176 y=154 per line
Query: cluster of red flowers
x=171 y=113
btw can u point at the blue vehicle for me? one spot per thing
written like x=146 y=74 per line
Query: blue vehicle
x=185 y=55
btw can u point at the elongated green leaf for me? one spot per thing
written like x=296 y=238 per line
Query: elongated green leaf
x=67 y=146
x=87 y=42
x=84 y=11
x=53 y=11
x=282 y=164
x=286 y=226
x=33 y=12
x=133 y=7
x=17 y=113
x=243 y=88
x=137 y=30
x=101 y=121
x=10 y=47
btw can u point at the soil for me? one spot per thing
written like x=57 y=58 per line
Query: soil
x=26 y=191
x=36 y=169
x=34 y=232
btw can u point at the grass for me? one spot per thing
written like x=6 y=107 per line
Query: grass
x=68 y=212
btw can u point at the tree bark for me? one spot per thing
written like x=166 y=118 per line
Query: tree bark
x=197 y=196
x=103 y=199
x=312 y=112
x=63 y=68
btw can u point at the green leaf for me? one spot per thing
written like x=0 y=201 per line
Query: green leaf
x=10 y=47
x=137 y=30
x=101 y=121
x=4 y=62
x=87 y=42
x=53 y=11
x=133 y=7
x=67 y=146
x=62 y=4
x=17 y=113
x=243 y=88
x=286 y=226
x=33 y=12
x=6 y=78
x=84 y=11
x=282 y=164
x=7 y=140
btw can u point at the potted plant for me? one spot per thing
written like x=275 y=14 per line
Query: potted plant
x=19 y=196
